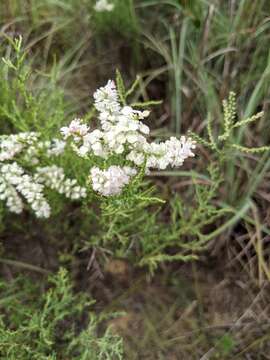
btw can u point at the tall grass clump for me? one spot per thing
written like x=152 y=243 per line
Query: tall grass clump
x=205 y=50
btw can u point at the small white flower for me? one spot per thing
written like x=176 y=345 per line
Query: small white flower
x=75 y=129
x=179 y=150
x=11 y=145
x=54 y=178
x=103 y=5
x=111 y=181
x=19 y=182
x=9 y=194
x=56 y=147
x=107 y=100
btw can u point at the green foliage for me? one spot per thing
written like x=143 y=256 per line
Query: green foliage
x=125 y=93
x=132 y=226
x=193 y=221
x=223 y=141
x=52 y=325
x=224 y=144
x=225 y=345
x=25 y=103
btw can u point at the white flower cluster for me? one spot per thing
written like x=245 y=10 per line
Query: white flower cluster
x=103 y=5
x=16 y=183
x=172 y=153
x=55 y=147
x=54 y=178
x=11 y=145
x=29 y=143
x=122 y=133
x=111 y=181
x=51 y=148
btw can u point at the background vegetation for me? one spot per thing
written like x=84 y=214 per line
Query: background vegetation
x=183 y=279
